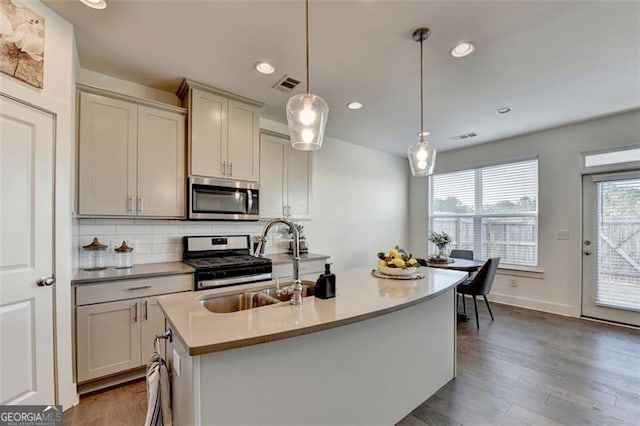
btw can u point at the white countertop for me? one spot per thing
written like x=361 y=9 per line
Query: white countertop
x=138 y=271
x=359 y=296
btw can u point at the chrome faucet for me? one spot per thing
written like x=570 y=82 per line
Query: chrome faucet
x=296 y=287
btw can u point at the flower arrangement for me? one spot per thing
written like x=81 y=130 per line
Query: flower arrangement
x=441 y=240
x=397 y=258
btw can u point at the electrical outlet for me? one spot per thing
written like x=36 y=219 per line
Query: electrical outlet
x=513 y=283
x=562 y=234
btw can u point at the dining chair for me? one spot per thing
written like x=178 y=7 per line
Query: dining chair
x=461 y=254
x=480 y=284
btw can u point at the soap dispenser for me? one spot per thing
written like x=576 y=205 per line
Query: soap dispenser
x=325 y=287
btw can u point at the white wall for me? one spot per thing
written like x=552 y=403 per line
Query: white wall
x=102 y=81
x=57 y=97
x=559 y=288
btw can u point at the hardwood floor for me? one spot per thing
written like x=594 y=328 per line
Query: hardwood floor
x=122 y=405
x=527 y=367
x=534 y=368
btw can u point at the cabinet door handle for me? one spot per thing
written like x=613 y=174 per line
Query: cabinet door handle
x=230 y=168
x=140 y=205
x=146 y=310
x=289 y=210
x=223 y=168
x=132 y=206
x=135 y=312
x=284 y=211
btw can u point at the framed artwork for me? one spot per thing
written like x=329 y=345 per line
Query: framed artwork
x=21 y=42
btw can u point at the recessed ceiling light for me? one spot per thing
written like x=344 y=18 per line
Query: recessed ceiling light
x=265 y=68
x=504 y=110
x=95 y=4
x=423 y=133
x=462 y=49
x=354 y=105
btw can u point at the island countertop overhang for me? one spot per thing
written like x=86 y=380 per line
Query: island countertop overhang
x=360 y=296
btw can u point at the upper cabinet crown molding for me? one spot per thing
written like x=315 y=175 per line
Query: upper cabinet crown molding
x=187 y=84
x=114 y=95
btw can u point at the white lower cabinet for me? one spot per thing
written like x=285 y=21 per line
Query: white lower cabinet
x=117 y=336
x=108 y=337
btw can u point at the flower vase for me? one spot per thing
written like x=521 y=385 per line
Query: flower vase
x=441 y=252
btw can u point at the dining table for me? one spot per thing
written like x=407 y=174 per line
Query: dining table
x=456 y=264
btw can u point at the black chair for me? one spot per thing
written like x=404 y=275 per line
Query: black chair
x=462 y=254
x=480 y=284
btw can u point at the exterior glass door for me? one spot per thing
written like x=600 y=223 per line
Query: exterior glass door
x=611 y=247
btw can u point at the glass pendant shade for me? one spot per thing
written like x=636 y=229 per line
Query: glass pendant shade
x=422 y=158
x=307 y=118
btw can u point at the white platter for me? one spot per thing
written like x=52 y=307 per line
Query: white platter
x=398 y=272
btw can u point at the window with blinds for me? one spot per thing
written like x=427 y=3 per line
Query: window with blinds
x=491 y=210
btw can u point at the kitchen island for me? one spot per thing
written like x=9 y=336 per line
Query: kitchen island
x=370 y=355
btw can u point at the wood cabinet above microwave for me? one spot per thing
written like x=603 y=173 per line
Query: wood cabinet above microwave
x=223 y=133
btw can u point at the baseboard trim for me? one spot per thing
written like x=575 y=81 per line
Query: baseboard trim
x=533 y=304
x=107 y=382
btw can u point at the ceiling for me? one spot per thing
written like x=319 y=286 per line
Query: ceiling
x=552 y=62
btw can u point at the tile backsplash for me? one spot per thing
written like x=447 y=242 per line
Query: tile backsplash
x=161 y=240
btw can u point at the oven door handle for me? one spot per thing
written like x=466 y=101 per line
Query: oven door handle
x=223 y=282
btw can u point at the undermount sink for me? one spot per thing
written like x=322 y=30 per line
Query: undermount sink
x=253 y=299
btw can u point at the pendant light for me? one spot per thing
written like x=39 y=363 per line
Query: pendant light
x=422 y=155
x=307 y=113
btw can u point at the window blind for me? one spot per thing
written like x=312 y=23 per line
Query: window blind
x=491 y=210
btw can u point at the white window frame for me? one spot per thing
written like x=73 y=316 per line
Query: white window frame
x=478 y=215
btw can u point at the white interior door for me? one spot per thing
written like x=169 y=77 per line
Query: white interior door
x=611 y=247
x=26 y=254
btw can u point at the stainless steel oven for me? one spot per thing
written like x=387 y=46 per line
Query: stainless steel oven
x=221 y=199
x=223 y=261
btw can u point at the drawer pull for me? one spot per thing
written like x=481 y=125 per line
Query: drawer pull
x=139 y=288
x=135 y=313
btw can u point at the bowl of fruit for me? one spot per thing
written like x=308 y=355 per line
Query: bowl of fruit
x=397 y=262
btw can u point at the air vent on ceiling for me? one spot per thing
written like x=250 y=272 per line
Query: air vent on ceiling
x=287 y=84
x=464 y=136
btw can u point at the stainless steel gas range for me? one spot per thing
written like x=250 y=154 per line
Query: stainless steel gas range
x=223 y=261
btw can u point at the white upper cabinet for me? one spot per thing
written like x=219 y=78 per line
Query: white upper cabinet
x=208 y=144
x=223 y=132
x=161 y=170
x=285 y=179
x=244 y=141
x=131 y=158
x=108 y=135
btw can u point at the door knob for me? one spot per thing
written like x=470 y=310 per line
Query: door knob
x=587 y=252
x=45 y=281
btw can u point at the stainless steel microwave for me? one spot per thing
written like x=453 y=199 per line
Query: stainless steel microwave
x=221 y=199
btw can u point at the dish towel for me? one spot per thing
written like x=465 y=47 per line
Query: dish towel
x=158 y=392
